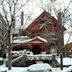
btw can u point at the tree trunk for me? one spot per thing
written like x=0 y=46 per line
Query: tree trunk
x=61 y=60
x=9 y=51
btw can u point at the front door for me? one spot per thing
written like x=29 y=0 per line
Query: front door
x=36 y=49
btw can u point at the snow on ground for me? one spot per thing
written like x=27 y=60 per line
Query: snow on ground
x=69 y=69
x=40 y=66
x=25 y=69
x=18 y=69
x=66 y=61
x=57 y=69
x=13 y=69
x=3 y=68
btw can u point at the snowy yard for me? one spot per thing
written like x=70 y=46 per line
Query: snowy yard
x=66 y=61
x=25 y=69
x=42 y=67
x=36 y=67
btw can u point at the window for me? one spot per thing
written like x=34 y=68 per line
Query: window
x=42 y=21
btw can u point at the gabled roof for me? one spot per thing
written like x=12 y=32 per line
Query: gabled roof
x=23 y=41
x=43 y=15
x=39 y=38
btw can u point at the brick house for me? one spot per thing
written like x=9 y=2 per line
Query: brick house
x=43 y=34
x=69 y=49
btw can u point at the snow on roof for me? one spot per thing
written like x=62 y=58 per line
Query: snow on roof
x=21 y=40
x=40 y=38
x=66 y=61
x=23 y=37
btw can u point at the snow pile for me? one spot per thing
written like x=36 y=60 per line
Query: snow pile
x=69 y=69
x=66 y=61
x=40 y=67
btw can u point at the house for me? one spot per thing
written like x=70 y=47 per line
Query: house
x=69 y=49
x=44 y=33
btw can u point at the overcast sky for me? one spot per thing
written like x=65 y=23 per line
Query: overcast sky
x=35 y=7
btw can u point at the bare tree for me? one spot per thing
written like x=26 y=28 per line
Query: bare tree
x=63 y=13
x=9 y=10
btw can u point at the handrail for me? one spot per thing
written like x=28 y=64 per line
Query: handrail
x=16 y=59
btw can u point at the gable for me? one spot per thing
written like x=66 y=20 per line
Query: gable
x=38 y=39
x=39 y=22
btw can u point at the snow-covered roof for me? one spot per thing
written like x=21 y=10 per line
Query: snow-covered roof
x=21 y=37
x=42 y=39
x=66 y=61
x=23 y=40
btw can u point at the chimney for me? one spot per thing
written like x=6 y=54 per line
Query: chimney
x=60 y=14
x=22 y=18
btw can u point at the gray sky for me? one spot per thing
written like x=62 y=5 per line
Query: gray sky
x=35 y=7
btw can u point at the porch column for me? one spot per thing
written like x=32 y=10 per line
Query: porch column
x=42 y=48
x=29 y=47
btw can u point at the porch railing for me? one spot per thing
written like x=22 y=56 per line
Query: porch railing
x=40 y=57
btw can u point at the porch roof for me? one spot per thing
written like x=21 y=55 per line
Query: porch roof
x=36 y=39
